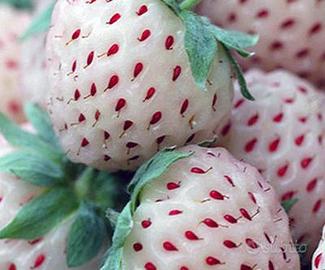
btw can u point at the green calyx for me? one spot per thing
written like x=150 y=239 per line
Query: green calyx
x=201 y=43
x=123 y=223
x=68 y=190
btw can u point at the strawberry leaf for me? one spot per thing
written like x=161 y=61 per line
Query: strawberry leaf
x=239 y=74
x=86 y=237
x=201 y=46
x=42 y=123
x=235 y=40
x=123 y=228
x=20 y=138
x=41 y=215
x=288 y=204
x=32 y=168
x=40 y=24
x=151 y=170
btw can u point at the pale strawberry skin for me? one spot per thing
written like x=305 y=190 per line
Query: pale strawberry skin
x=47 y=253
x=209 y=211
x=121 y=86
x=292 y=33
x=282 y=134
x=319 y=255
x=13 y=24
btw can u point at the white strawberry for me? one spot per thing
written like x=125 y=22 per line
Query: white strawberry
x=12 y=24
x=282 y=134
x=319 y=255
x=200 y=208
x=292 y=33
x=34 y=80
x=45 y=253
x=121 y=84
x=52 y=212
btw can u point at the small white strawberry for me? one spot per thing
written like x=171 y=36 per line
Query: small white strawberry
x=12 y=24
x=124 y=83
x=51 y=211
x=292 y=33
x=319 y=255
x=200 y=208
x=282 y=133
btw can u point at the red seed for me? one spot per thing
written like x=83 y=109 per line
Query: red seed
x=253 y=120
x=137 y=247
x=212 y=261
x=273 y=146
x=229 y=244
x=146 y=223
x=113 y=50
x=12 y=267
x=175 y=212
x=169 y=42
x=150 y=266
x=155 y=118
x=249 y=147
x=172 y=185
x=184 y=106
x=145 y=35
x=150 y=92
x=84 y=142
x=137 y=69
x=176 y=73
x=142 y=10
x=121 y=103
x=282 y=170
x=113 y=81
x=191 y=236
x=245 y=214
x=169 y=246
x=216 y=195
x=251 y=243
x=210 y=223
x=312 y=185
x=114 y=18
x=39 y=261
x=306 y=162
x=230 y=219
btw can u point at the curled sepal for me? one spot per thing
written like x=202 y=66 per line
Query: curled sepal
x=86 y=237
x=41 y=215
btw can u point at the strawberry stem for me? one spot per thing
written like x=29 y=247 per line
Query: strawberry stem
x=83 y=183
x=188 y=4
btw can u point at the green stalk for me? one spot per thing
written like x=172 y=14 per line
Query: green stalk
x=84 y=182
x=188 y=4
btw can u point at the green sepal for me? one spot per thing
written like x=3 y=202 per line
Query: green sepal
x=19 y=4
x=173 y=5
x=201 y=46
x=123 y=228
x=17 y=137
x=288 y=204
x=41 y=215
x=40 y=24
x=235 y=40
x=32 y=168
x=151 y=170
x=239 y=74
x=112 y=216
x=86 y=237
x=42 y=123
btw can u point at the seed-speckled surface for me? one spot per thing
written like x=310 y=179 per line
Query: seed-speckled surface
x=209 y=211
x=121 y=83
x=292 y=32
x=13 y=24
x=282 y=134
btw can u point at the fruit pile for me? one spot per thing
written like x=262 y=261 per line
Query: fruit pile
x=132 y=139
